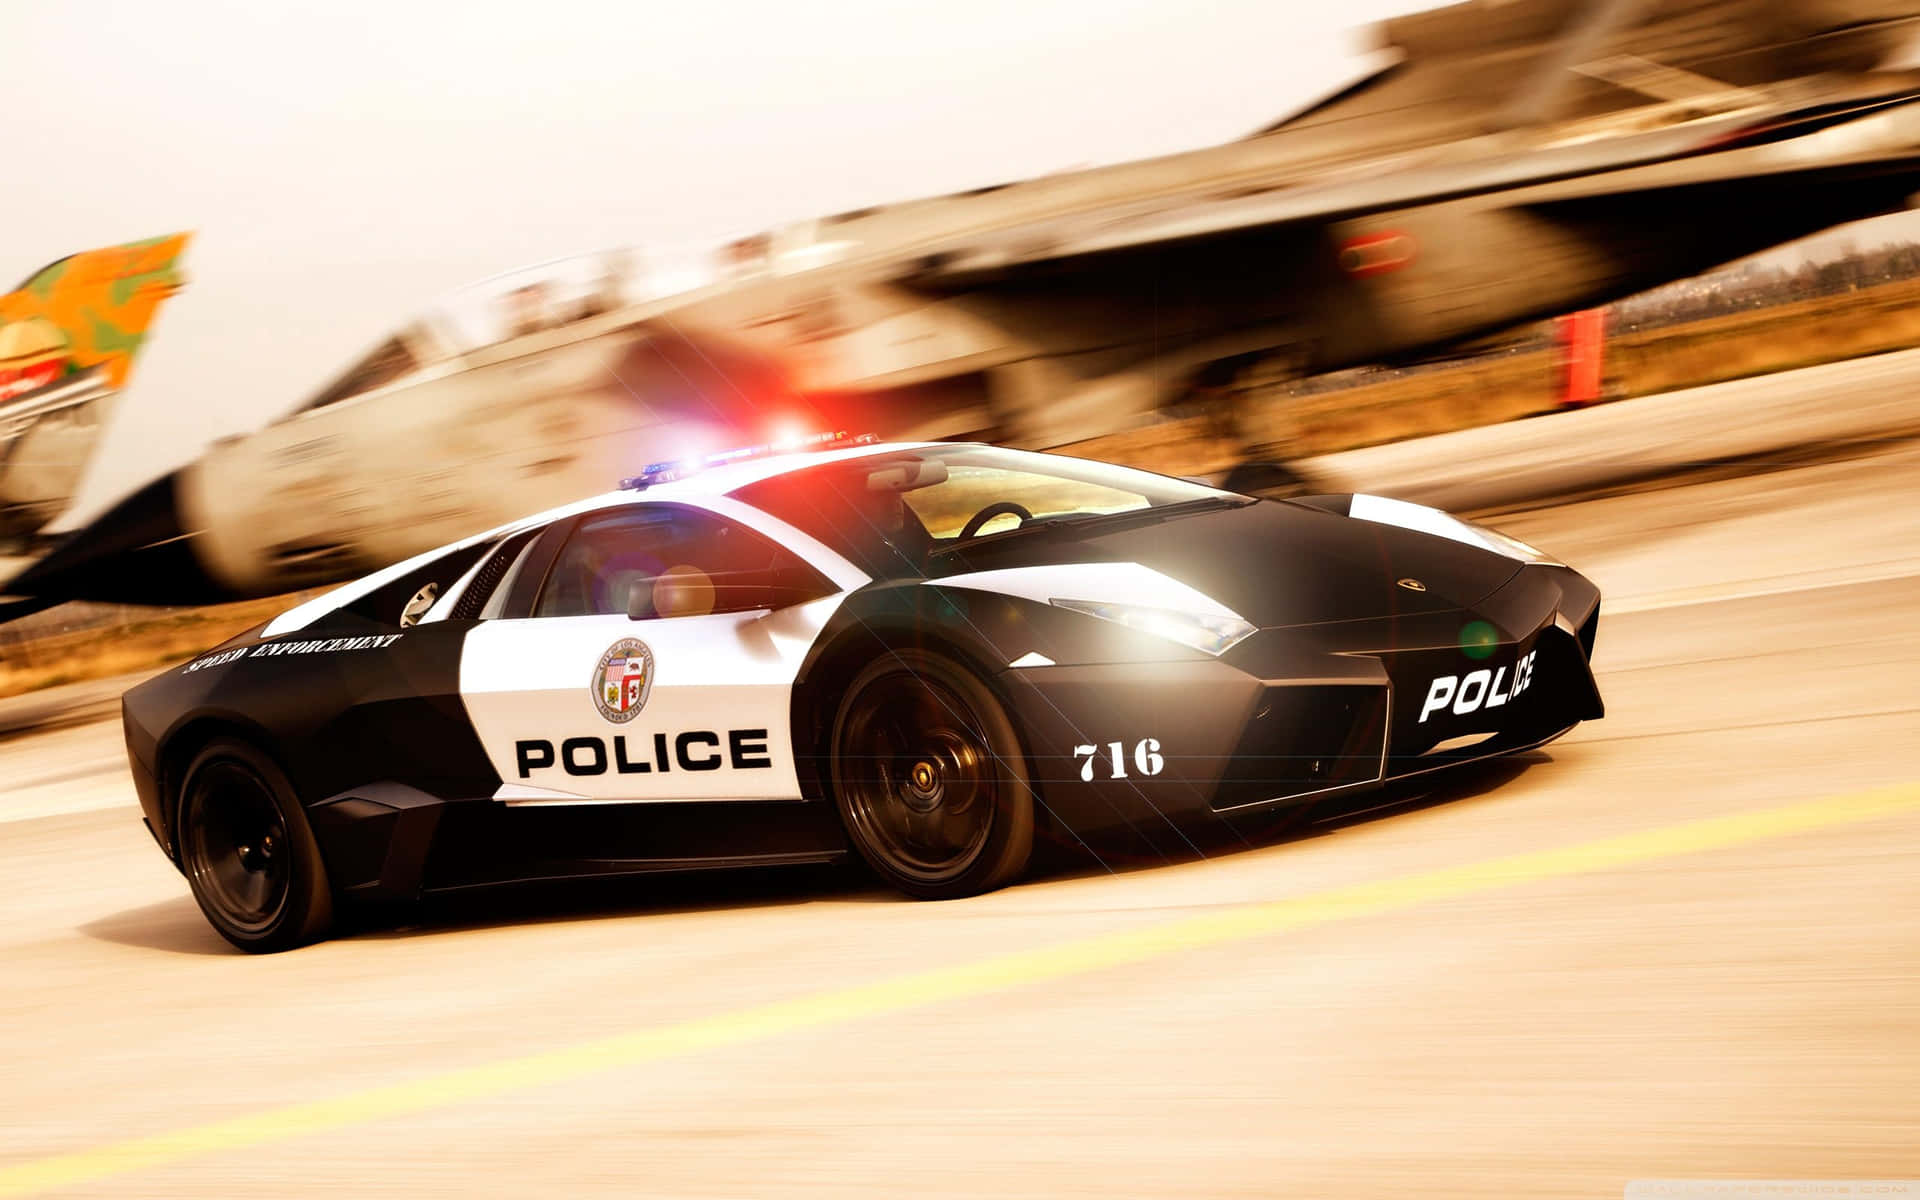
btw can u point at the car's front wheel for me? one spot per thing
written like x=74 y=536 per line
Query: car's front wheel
x=930 y=779
x=248 y=853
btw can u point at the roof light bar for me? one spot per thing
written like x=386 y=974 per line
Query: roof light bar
x=667 y=472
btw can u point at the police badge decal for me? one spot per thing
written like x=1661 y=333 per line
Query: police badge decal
x=623 y=680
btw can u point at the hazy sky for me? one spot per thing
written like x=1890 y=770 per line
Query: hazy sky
x=345 y=163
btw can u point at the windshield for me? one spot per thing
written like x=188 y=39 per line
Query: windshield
x=890 y=513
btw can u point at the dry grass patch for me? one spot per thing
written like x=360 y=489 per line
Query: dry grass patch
x=144 y=643
x=1487 y=391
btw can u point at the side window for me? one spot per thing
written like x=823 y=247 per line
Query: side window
x=664 y=561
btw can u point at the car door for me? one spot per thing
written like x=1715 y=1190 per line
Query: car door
x=647 y=653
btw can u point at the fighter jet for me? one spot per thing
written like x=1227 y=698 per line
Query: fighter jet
x=1489 y=164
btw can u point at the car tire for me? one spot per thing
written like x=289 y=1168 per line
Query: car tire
x=248 y=853
x=930 y=779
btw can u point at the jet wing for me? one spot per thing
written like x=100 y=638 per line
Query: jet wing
x=1851 y=139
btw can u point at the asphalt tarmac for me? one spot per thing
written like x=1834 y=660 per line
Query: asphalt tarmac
x=1679 y=943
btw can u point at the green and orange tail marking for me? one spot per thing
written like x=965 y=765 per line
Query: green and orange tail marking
x=87 y=311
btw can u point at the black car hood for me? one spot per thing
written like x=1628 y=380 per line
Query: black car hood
x=1276 y=563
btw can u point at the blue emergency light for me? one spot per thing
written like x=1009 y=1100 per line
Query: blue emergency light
x=667 y=472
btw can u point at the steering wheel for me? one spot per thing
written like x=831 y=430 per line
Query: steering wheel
x=999 y=508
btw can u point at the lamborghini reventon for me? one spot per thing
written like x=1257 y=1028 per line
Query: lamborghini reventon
x=925 y=655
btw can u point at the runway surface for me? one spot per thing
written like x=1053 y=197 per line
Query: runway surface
x=1679 y=943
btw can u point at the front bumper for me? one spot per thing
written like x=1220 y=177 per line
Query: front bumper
x=1292 y=715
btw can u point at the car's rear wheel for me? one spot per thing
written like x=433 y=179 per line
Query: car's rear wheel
x=929 y=778
x=248 y=853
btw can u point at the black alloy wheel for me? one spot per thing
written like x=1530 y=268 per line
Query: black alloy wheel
x=248 y=853
x=930 y=779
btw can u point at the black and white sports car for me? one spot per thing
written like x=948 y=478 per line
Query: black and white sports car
x=924 y=654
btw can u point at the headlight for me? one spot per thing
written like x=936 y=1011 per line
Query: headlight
x=1214 y=633
x=1421 y=519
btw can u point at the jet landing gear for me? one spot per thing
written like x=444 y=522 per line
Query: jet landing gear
x=1226 y=393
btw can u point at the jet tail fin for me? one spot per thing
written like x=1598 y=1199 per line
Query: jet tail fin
x=69 y=335
x=88 y=311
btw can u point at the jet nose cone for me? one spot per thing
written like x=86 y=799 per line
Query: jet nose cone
x=135 y=553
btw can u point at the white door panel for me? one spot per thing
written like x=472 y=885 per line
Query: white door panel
x=715 y=723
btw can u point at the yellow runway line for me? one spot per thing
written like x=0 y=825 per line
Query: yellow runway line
x=995 y=974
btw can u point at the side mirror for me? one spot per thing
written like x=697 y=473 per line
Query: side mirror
x=684 y=591
x=792 y=583
x=640 y=598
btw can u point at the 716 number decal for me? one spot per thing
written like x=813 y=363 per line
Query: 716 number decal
x=1113 y=757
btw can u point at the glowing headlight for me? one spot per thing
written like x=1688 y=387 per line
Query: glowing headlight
x=1214 y=633
x=1418 y=517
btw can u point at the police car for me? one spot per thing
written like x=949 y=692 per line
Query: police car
x=927 y=655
